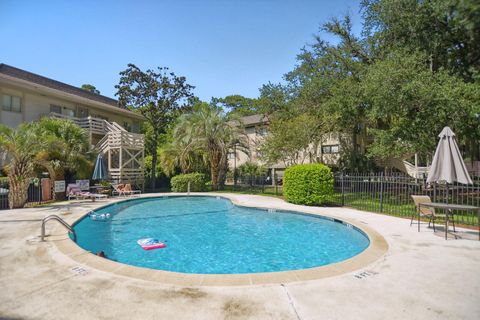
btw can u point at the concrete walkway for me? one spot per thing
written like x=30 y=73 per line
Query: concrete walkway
x=422 y=276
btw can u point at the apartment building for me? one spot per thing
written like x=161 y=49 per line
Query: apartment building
x=112 y=130
x=256 y=128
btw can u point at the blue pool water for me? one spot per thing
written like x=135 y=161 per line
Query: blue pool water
x=212 y=236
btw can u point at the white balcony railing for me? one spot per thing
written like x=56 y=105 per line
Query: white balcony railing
x=94 y=125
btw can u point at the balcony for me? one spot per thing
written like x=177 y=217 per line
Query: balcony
x=91 y=124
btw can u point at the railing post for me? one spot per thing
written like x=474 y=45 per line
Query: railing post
x=276 y=183
x=343 y=189
x=381 y=192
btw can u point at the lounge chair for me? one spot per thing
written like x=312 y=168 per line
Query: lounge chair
x=74 y=191
x=422 y=211
x=118 y=189
x=124 y=190
x=128 y=190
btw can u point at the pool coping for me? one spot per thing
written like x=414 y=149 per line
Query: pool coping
x=377 y=248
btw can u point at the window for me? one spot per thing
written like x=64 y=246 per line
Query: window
x=127 y=126
x=69 y=112
x=56 y=109
x=99 y=116
x=135 y=127
x=11 y=103
x=262 y=131
x=82 y=112
x=330 y=149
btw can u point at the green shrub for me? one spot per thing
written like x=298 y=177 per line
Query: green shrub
x=309 y=184
x=180 y=183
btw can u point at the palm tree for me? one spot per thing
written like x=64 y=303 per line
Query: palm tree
x=208 y=130
x=72 y=153
x=69 y=152
x=180 y=154
x=23 y=147
x=54 y=144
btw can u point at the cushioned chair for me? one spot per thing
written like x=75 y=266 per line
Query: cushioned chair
x=73 y=191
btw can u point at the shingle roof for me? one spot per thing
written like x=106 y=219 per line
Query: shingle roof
x=53 y=84
x=254 y=119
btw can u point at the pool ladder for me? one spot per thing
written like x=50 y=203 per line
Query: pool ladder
x=62 y=222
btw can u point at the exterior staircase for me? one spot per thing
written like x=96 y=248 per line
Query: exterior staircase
x=406 y=167
x=410 y=169
x=123 y=150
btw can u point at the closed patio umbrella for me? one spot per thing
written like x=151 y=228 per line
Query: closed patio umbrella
x=100 y=172
x=447 y=164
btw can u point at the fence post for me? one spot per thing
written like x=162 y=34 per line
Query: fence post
x=381 y=192
x=343 y=190
x=234 y=179
x=276 y=184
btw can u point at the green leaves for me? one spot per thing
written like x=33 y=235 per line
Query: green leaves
x=388 y=92
x=412 y=105
x=196 y=180
x=237 y=105
x=91 y=88
x=208 y=131
x=160 y=96
x=309 y=184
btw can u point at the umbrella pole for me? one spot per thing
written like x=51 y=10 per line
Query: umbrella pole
x=447 y=213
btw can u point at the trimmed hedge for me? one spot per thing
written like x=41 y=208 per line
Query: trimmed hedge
x=180 y=183
x=309 y=184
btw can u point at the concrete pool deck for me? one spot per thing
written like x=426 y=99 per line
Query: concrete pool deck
x=421 y=276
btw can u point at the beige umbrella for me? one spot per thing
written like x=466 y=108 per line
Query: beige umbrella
x=447 y=164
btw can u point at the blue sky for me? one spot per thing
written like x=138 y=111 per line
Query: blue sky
x=222 y=47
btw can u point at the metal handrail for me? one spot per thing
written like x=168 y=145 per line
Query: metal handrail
x=62 y=222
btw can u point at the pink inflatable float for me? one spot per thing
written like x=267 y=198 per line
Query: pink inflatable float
x=150 y=243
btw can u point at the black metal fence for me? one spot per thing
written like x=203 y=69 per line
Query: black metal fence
x=34 y=193
x=255 y=184
x=391 y=194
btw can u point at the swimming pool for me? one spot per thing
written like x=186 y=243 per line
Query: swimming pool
x=210 y=235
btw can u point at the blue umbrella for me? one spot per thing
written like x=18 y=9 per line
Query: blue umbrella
x=100 y=172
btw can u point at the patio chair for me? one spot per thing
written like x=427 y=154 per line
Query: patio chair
x=74 y=191
x=422 y=211
x=118 y=189
x=128 y=190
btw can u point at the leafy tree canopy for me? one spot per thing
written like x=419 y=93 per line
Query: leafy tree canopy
x=386 y=92
x=91 y=88
x=237 y=104
x=159 y=95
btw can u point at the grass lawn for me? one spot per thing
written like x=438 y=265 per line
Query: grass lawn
x=394 y=206
x=267 y=191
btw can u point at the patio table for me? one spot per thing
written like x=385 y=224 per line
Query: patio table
x=450 y=207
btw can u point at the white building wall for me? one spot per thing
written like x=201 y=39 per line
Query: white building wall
x=255 y=140
x=34 y=105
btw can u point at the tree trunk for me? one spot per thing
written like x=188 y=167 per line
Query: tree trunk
x=215 y=158
x=154 y=161
x=18 y=188
x=222 y=176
